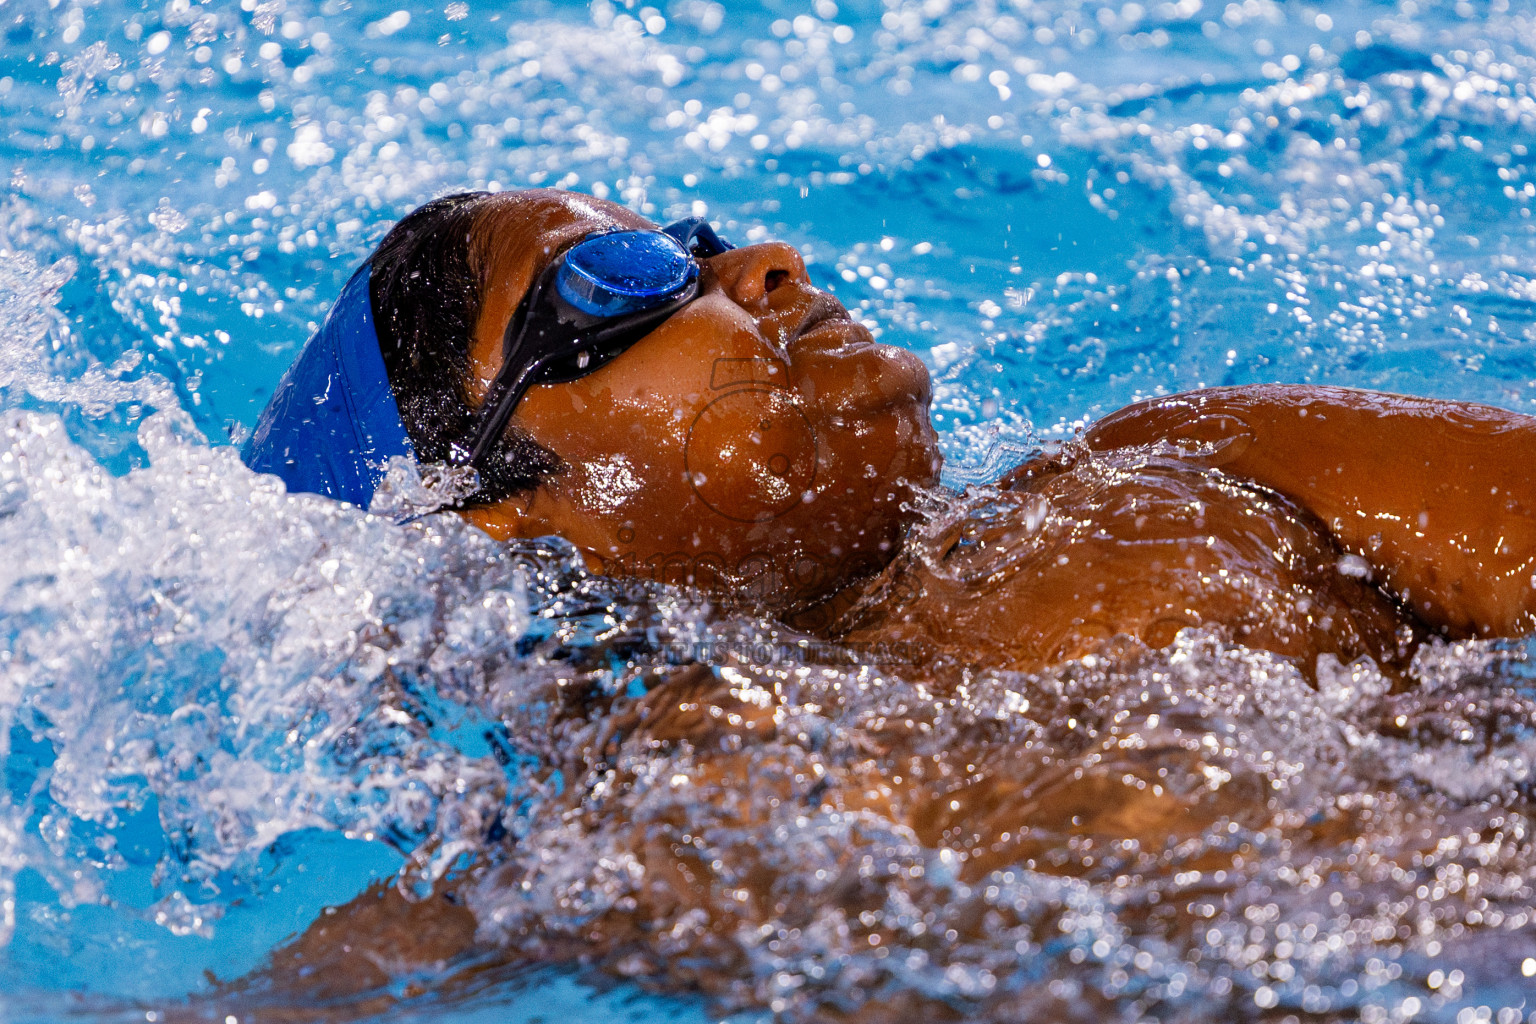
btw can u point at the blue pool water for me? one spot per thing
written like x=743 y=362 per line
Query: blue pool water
x=222 y=708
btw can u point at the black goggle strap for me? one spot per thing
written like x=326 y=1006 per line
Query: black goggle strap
x=499 y=403
x=511 y=381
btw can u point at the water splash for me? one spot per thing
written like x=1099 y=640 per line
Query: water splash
x=1065 y=206
x=1194 y=834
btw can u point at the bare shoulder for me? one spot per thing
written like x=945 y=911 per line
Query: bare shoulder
x=1078 y=548
x=1439 y=495
x=1275 y=412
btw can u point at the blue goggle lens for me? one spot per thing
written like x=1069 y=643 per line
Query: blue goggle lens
x=624 y=272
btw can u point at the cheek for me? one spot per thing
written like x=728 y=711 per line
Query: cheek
x=605 y=487
x=699 y=409
x=751 y=455
x=606 y=418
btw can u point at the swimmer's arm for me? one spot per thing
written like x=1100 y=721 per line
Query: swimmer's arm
x=1439 y=496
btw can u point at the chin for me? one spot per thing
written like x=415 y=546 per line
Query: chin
x=916 y=458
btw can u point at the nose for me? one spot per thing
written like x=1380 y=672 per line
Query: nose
x=751 y=273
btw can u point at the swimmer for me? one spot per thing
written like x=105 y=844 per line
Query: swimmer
x=702 y=415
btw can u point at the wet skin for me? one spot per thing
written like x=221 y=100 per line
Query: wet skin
x=1300 y=520
x=761 y=445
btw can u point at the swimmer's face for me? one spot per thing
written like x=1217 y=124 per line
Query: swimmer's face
x=758 y=441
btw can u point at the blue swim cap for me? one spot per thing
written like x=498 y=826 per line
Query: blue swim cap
x=332 y=423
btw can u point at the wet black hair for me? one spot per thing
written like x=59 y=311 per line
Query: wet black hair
x=426 y=294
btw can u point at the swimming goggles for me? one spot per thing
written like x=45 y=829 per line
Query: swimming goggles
x=592 y=303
